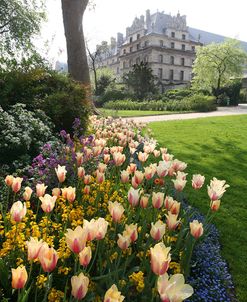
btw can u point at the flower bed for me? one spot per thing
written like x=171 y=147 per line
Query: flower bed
x=113 y=227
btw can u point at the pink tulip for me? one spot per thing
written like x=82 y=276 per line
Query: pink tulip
x=157 y=200
x=81 y=172
x=79 y=286
x=179 y=184
x=160 y=258
x=9 y=180
x=19 y=277
x=124 y=176
x=196 y=229
x=172 y=221
x=102 y=167
x=33 y=247
x=144 y=201
x=131 y=231
x=27 y=193
x=48 y=258
x=123 y=241
x=56 y=192
x=118 y=158
x=16 y=184
x=133 y=197
x=142 y=156
x=76 y=240
x=87 y=179
x=48 y=202
x=86 y=190
x=61 y=173
x=18 y=211
x=215 y=205
x=197 y=181
x=101 y=228
x=138 y=176
x=107 y=158
x=158 y=230
x=113 y=295
x=116 y=210
x=100 y=177
x=40 y=189
x=79 y=158
x=90 y=227
x=217 y=188
x=85 y=256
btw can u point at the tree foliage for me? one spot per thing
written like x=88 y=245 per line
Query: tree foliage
x=19 y=21
x=217 y=64
x=140 y=80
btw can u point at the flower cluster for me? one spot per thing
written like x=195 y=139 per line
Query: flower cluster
x=117 y=229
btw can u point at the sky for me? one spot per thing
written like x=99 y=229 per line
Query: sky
x=108 y=17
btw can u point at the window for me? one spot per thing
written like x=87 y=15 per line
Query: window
x=146 y=43
x=182 y=61
x=160 y=73
x=131 y=48
x=130 y=63
x=138 y=46
x=183 y=37
x=161 y=43
x=124 y=51
x=193 y=48
x=171 y=75
x=131 y=39
x=173 y=34
x=183 y=46
x=138 y=36
x=161 y=58
x=181 y=75
x=172 y=45
x=172 y=60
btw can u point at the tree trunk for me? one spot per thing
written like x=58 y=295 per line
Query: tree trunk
x=73 y=11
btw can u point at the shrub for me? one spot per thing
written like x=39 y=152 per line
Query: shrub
x=231 y=91
x=243 y=95
x=61 y=98
x=22 y=133
x=177 y=94
x=202 y=103
x=112 y=93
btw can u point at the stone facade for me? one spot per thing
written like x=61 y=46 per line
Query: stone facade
x=161 y=40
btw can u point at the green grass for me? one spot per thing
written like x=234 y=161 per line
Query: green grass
x=133 y=113
x=216 y=147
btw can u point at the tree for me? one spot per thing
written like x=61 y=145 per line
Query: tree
x=19 y=21
x=141 y=80
x=96 y=58
x=73 y=12
x=217 y=64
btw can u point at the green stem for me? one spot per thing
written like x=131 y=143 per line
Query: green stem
x=95 y=254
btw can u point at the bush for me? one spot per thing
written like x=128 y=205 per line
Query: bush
x=243 y=95
x=231 y=92
x=202 y=103
x=177 y=94
x=22 y=133
x=61 y=98
x=111 y=94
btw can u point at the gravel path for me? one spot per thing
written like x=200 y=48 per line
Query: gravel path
x=222 y=111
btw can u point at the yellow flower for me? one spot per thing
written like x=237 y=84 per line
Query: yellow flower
x=55 y=295
x=138 y=280
x=41 y=281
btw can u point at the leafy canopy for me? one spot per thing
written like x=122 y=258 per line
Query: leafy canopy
x=19 y=21
x=217 y=64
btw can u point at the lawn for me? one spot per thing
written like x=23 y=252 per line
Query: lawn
x=132 y=113
x=217 y=147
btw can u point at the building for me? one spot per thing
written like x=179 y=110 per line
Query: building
x=162 y=40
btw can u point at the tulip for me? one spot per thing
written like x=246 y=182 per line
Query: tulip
x=80 y=172
x=167 y=156
x=56 y=192
x=61 y=173
x=116 y=210
x=156 y=153
x=142 y=156
x=178 y=165
x=157 y=200
x=160 y=258
x=173 y=289
x=106 y=158
x=118 y=158
x=113 y=295
x=76 y=240
x=133 y=183
x=90 y=227
x=85 y=256
x=101 y=226
x=48 y=202
x=138 y=176
x=179 y=184
x=70 y=194
x=123 y=241
x=27 y=193
x=18 y=211
x=196 y=229
x=88 y=152
x=40 y=189
x=86 y=190
x=217 y=188
x=133 y=197
x=131 y=231
x=158 y=230
x=171 y=221
x=87 y=179
x=16 y=184
x=163 y=168
x=124 y=176
x=149 y=172
x=97 y=150
x=175 y=207
x=144 y=201
x=102 y=167
x=79 y=158
x=163 y=150
x=48 y=258
x=197 y=181
x=9 y=180
x=168 y=202
x=33 y=247
x=79 y=286
x=19 y=277
x=215 y=204
x=131 y=168
x=100 y=177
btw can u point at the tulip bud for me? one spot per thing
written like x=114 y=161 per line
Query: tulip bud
x=124 y=176
x=19 y=277
x=123 y=241
x=56 y=192
x=133 y=197
x=40 y=189
x=27 y=193
x=215 y=204
x=18 y=211
x=196 y=229
x=116 y=210
x=79 y=286
x=87 y=179
x=171 y=221
x=197 y=181
x=144 y=201
x=79 y=158
x=33 y=247
x=9 y=180
x=107 y=158
x=80 y=172
x=86 y=190
x=61 y=173
x=131 y=231
x=16 y=184
x=85 y=256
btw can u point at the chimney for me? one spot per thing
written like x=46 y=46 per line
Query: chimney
x=119 y=39
x=148 y=19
